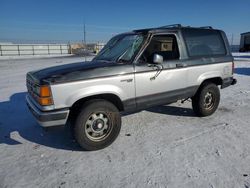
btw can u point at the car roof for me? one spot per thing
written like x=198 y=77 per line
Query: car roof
x=174 y=27
x=246 y=33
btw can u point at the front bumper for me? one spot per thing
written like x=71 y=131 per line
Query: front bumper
x=227 y=82
x=48 y=118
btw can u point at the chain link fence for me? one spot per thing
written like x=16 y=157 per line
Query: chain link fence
x=33 y=49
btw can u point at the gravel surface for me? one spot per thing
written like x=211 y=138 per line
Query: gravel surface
x=165 y=146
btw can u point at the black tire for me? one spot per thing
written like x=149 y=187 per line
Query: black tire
x=92 y=122
x=206 y=100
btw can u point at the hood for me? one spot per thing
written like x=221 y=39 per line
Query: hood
x=79 y=71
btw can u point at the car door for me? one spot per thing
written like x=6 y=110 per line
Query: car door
x=163 y=83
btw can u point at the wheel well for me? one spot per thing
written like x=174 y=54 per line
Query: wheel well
x=76 y=107
x=216 y=80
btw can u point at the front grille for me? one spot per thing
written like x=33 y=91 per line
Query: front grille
x=32 y=87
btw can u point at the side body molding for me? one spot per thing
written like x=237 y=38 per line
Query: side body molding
x=66 y=94
x=208 y=75
x=197 y=74
x=93 y=90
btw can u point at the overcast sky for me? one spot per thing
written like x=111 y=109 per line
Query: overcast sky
x=63 y=20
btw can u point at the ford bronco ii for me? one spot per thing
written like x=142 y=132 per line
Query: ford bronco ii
x=134 y=71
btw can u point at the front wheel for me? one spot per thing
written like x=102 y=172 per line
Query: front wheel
x=97 y=125
x=206 y=100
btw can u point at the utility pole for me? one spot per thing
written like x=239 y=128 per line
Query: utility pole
x=84 y=38
x=232 y=41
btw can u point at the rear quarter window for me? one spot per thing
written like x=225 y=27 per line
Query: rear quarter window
x=204 y=42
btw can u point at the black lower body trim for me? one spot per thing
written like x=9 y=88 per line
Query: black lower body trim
x=48 y=117
x=227 y=82
x=148 y=101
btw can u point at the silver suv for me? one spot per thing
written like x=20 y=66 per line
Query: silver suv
x=134 y=71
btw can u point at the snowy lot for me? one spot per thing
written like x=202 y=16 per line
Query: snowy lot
x=165 y=146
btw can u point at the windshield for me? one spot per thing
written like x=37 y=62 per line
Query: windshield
x=121 y=48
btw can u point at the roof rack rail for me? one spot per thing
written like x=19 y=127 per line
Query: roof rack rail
x=206 y=27
x=170 y=26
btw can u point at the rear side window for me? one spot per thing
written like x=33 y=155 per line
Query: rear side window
x=204 y=42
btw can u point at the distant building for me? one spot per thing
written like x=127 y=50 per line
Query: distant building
x=99 y=46
x=89 y=48
x=245 y=42
x=95 y=47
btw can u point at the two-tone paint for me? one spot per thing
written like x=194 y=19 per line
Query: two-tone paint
x=137 y=85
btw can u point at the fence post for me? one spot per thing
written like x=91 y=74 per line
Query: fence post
x=48 y=50
x=18 y=49
x=1 y=50
x=69 y=48
x=33 y=50
x=61 y=48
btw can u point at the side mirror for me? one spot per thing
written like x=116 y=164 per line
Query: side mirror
x=157 y=59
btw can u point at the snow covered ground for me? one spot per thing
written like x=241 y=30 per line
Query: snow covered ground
x=165 y=146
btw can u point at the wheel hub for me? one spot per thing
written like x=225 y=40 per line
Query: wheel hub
x=208 y=100
x=97 y=126
x=100 y=125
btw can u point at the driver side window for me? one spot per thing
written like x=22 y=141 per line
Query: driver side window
x=164 y=45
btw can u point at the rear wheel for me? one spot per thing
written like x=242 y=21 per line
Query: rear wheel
x=206 y=100
x=97 y=125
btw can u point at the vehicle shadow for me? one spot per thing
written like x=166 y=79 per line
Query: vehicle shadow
x=242 y=71
x=15 y=119
x=172 y=110
x=18 y=124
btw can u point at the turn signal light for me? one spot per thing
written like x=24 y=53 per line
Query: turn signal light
x=45 y=96
x=45 y=91
x=46 y=101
